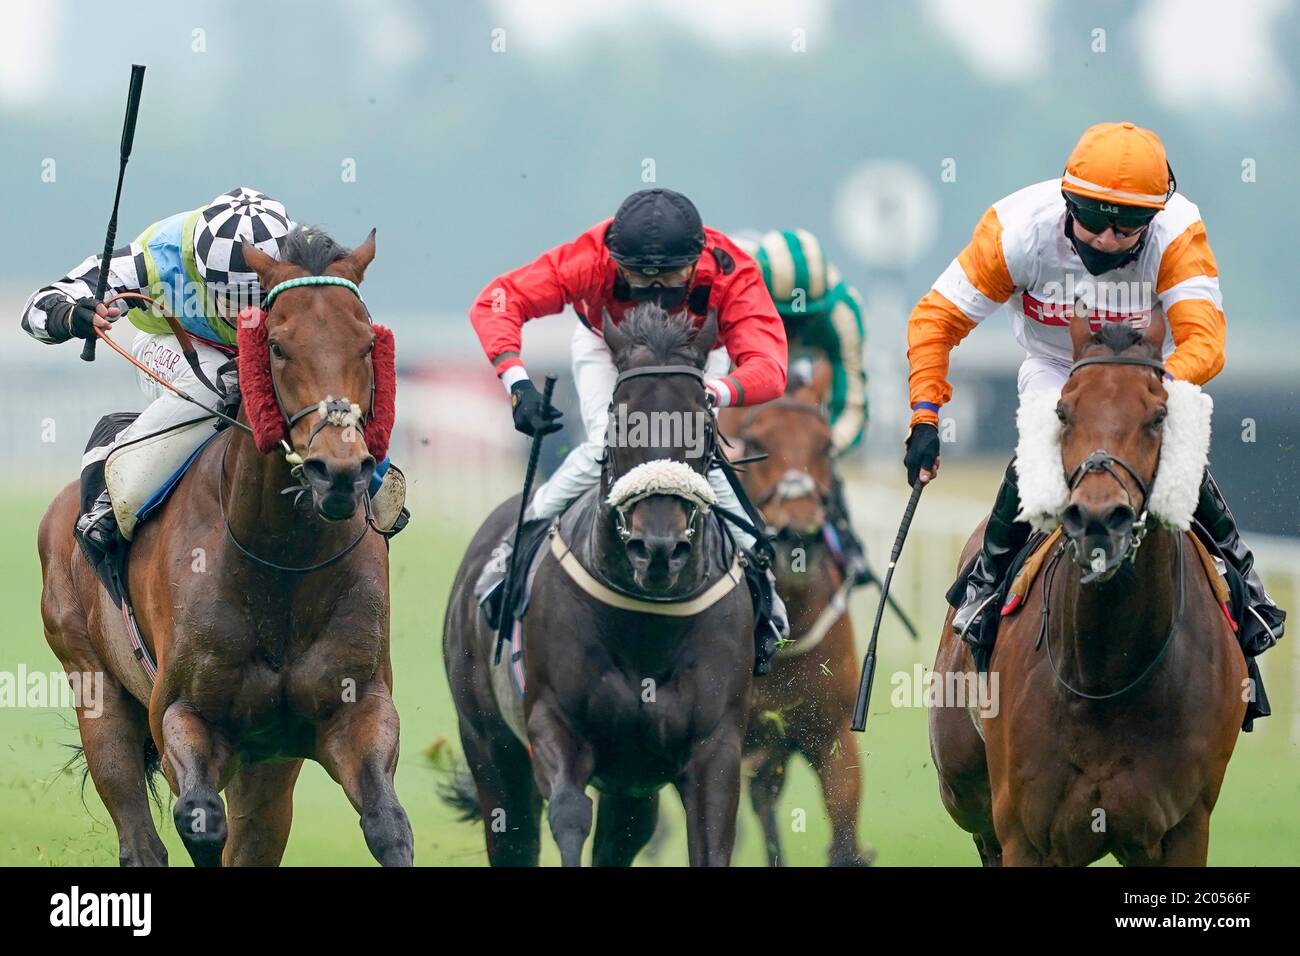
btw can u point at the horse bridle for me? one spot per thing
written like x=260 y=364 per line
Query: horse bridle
x=690 y=371
x=781 y=489
x=340 y=412
x=1102 y=461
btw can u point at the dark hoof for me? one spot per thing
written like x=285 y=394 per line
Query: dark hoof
x=201 y=821
x=388 y=835
x=865 y=857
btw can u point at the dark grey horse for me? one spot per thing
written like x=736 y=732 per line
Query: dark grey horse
x=625 y=690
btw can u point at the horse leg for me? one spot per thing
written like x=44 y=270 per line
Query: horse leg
x=358 y=748
x=710 y=791
x=1188 y=843
x=1018 y=851
x=113 y=741
x=194 y=757
x=260 y=802
x=989 y=849
x=764 y=791
x=562 y=766
x=508 y=800
x=836 y=764
x=624 y=825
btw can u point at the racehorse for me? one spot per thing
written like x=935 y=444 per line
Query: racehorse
x=637 y=645
x=805 y=704
x=1119 y=693
x=268 y=621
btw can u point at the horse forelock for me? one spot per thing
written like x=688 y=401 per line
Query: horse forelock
x=311 y=249
x=659 y=337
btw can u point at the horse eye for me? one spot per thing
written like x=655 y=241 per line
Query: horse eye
x=1060 y=412
x=1159 y=417
x=277 y=351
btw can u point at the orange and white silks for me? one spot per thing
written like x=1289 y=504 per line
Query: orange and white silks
x=1020 y=255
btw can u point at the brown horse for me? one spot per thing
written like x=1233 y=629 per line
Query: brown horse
x=1119 y=681
x=638 y=651
x=263 y=659
x=805 y=704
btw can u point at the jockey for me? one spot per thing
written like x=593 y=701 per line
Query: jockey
x=1112 y=230
x=192 y=262
x=655 y=249
x=823 y=317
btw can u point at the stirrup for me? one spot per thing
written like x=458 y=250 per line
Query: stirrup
x=977 y=617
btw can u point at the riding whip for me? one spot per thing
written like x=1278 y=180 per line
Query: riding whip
x=128 y=138
x=507 y=622
x=869 y=662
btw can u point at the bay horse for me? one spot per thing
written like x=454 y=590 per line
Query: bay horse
x=269 y=622
x=1120 y=683
x=805 y=704
x=635 y=689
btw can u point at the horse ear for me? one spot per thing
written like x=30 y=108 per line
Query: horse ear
x=1155 y=333
x=707 y=334
x=1080 y=330
x=355 y=263
x=615 y=338
x=259 y=262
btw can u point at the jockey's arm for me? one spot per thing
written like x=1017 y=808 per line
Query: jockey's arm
x=848 y=401
x=1187 y=286
x=968 y=291
x=47 y=312
x=754 y=335
x=542 y=287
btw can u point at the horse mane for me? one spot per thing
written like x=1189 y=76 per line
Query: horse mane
x=668 y=336
x=310 y=248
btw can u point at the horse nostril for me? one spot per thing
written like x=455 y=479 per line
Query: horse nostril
x=1072 y=519
x=637 y=550
x=681 y=551
x=316 y=471
x=1119 y=519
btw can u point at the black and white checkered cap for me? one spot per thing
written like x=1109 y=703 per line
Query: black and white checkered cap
x=242 y=215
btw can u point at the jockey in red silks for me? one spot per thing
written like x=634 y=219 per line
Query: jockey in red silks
x=655 y=249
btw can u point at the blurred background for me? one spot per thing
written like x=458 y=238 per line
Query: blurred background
x=474 y=136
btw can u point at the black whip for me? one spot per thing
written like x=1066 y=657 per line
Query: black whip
x=507 y=619
x=869 y=662
x=128 y=138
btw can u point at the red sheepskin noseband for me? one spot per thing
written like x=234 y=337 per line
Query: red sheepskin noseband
x=264 y=416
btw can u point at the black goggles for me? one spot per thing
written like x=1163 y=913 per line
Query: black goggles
x=1125 y=220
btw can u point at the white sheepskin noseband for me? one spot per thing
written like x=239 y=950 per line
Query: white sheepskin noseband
x=662 y=477
x=1184 y=453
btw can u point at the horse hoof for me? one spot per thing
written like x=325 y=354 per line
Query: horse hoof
x=388 y=836
x=201 y=821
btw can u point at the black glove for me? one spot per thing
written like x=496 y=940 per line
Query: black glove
x=532 y=416
x=81 y=319
x=922 y=450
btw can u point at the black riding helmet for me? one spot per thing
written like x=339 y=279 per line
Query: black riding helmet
x=655 y=230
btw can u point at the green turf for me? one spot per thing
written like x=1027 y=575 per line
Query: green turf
x=43 y=820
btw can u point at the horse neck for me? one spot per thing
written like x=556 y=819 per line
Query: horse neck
x=1109 y=632
x=265 y=521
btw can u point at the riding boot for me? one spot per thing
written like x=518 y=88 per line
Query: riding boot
x=1262 y=622
x=1003 y=539
x=96 y=528
x=771 y=622
x=489 y=587
x=855 y=557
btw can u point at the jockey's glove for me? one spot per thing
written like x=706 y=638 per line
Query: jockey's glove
x=80 y=320
x=922 y=450
x=532 y=415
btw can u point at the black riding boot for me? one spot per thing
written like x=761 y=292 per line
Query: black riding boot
x=1262 y=622
x=855 y=556
x=1003 y=539
x=96 y=528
